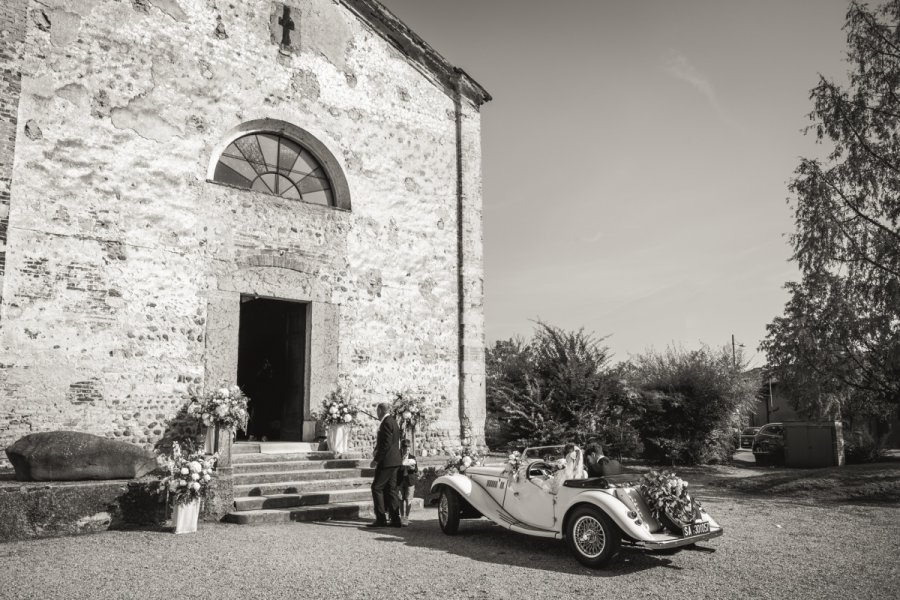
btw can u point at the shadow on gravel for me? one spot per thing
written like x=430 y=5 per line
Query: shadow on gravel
x=483 y=541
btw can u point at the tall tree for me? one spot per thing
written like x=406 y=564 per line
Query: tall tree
x=839 y=336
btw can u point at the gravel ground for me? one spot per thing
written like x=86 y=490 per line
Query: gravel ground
x=771 y=549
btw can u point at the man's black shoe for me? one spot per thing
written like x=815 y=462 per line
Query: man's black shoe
x=377 y=524
x=396 y=524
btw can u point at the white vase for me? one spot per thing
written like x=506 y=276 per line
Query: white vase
x=210 y=446
x=185 y=516
x=338 y=437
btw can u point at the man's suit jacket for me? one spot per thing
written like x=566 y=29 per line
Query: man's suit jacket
x=387 y=446
x=594 y=465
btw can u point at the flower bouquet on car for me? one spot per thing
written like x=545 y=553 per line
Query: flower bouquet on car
x=462 y=459
x=667 y=498
x=513 y=464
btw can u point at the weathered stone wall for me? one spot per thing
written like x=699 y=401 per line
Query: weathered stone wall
x=124 y=265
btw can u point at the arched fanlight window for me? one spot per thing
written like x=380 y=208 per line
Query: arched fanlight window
x=273 y=164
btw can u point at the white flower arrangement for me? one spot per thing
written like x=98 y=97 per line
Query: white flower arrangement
x=337 y=409
x=666 y=494
x=462 y=459
x=225 y=407
x=513 y=464
x=189 y=474
x=411 y=410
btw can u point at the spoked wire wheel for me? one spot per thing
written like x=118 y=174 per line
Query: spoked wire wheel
x=448 y=510
x=592 y=536
x=590 y=539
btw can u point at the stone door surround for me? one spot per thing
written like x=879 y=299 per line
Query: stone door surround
x=279 y=278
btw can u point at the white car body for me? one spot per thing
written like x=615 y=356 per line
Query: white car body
x=527 y=504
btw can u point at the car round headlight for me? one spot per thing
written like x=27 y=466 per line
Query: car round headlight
x=631 y=514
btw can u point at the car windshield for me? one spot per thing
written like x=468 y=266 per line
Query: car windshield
x=751 y=430
x=544 y=453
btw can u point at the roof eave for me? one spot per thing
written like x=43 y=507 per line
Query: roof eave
x=389 y=26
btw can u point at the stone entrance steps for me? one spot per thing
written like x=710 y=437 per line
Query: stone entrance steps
x=282 y=482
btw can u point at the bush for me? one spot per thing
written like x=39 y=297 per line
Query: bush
x=689 y=400
x=860 y=446
x=558 y=387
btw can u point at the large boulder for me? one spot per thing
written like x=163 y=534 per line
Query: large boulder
x=74 y=456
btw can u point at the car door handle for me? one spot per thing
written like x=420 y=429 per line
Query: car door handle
x=515 y=493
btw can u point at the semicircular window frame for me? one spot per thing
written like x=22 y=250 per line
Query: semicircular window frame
x=272 y=163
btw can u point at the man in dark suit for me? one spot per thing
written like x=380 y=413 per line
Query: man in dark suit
x=386 y=461
x=597 y=464
x=593 y=460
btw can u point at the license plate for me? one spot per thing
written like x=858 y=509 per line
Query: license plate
x=695 y=529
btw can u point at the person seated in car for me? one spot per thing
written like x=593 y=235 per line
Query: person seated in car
x=599 y=465
x=574 y=462
x=594 y=459
x=570 y=467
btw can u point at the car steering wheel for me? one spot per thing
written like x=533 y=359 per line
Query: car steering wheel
x=537 y=469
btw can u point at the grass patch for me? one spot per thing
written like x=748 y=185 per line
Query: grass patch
x=876 y=482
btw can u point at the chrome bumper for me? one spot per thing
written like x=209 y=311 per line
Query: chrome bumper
x=682 y=541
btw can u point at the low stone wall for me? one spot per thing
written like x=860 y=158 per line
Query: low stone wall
x=48 y=509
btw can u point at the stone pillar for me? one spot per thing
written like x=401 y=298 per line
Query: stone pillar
x=222 y=326
x=220 y=499
x=323 y=351
x=12 y=33
x=472 y=402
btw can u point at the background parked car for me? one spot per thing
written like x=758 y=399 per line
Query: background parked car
x=768 y=445
x=747 y=436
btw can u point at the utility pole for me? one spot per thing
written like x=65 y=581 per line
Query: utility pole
x=733 y=353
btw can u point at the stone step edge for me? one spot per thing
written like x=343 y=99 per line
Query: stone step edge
x=344 y=470
x=359 y=509
x=250 y=458
x=351 y=482
x=283 y=463
x=304 y=499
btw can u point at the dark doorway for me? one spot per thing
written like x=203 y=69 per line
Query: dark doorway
x=272 y=366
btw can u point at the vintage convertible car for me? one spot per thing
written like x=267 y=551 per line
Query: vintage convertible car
x=595 y=516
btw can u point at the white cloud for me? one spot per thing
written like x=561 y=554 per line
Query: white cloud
x=592 y=239
x=678 y=66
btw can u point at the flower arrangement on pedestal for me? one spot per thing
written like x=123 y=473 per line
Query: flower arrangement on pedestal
x=666 y=495
x=222 y=408
x=411 y=410
x=337 y=409
x=187 y=482
x=338 y=413
x=461 y=459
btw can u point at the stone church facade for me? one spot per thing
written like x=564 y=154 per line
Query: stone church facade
x=198 y=192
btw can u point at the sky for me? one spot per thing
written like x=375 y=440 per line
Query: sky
x=637 y=156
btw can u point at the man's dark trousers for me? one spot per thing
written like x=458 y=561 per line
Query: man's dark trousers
x=385 y=495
